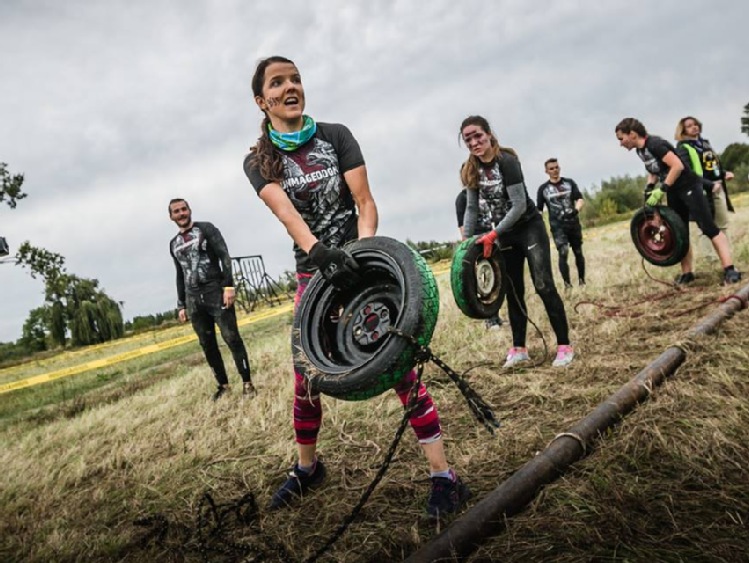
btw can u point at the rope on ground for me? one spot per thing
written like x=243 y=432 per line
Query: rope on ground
x=625 y=310
x=212 y=519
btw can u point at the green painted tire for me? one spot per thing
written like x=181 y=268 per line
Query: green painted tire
x=478 y=284
x=341 y=340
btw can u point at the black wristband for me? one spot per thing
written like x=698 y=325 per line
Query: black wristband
x=665 y=187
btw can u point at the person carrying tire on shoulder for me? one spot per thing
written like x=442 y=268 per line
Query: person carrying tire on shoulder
x=205 y=292
x=704 y=162
x=564 y=201
x=313 y=178
x=684 y=190
x=484 y=226
x=494 y=174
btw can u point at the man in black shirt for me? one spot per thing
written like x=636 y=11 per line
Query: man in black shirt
x=205 y=292
x=684 y=189
x=564 y=201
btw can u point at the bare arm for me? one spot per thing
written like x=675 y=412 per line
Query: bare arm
x=675 y=168
x=279 y=203
x=359 y=185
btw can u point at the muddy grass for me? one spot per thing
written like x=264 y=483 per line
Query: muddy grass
x=668 y=484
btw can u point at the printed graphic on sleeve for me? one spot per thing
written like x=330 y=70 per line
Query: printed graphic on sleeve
x=651 y=163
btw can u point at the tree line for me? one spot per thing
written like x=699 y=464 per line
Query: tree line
x=77 y=312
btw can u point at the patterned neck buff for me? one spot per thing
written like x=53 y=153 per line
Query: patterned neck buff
x=292 y=141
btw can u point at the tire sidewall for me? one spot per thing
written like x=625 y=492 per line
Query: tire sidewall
x=675 y=224
x=395 y=358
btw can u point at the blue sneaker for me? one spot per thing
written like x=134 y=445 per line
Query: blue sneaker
x=297 y=484
x=446 y=497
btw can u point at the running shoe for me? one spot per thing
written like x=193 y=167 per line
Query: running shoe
x=565 y=354
x=731 y=276
x=446 y=497
x=248 y=389
x=515 y=356
x=684 y=279
x=296 y=485
x=220 y=392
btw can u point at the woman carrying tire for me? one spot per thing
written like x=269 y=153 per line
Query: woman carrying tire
x=520 y=232
x=684 y=189
x=484 y=225
x=313 y=178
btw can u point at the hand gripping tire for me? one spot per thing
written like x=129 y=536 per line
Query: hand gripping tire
x=478 y=283
x=659 y=235
x=341 y=340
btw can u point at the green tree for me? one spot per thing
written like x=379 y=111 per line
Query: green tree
x=10 y=192
x=745 y=121
x=77 y=306
x=34 y=335
x=734 y=156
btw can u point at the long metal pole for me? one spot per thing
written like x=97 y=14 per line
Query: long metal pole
x=487 y=517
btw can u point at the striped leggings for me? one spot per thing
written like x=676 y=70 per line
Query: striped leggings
x=424 y=420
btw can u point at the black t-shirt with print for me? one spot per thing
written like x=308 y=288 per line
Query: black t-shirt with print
x=711 y=169
x=652 y=155
x=202 y=261
x=494 y=178
x=313 y=181
x=560 y=198
x=484 y=223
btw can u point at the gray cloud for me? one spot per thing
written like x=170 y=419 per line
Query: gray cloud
x=111 y=109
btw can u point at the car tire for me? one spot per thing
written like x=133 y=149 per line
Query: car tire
x=342 y=340
x=478 y=284
x=659 y=235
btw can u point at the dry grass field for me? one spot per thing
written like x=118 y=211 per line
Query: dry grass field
x=144 y=441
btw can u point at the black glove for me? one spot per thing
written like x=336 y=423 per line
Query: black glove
x=648 y=190
x=336 y=265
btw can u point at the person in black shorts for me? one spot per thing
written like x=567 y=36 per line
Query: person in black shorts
x=484 y=226
x=313 y=178
x=493 y=173
x=684 y=189
x=205 y=292
x=704 y=161
x=564 y=201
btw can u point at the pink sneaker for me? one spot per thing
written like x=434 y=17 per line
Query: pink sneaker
x=565 y=353
x=515 y=356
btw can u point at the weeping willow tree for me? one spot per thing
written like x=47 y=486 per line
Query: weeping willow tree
x=74 y=307
x=34 y=334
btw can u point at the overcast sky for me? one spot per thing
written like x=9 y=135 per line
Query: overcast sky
x=111 y=108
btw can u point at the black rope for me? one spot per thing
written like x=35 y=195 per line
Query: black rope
x=211 y=537
x=480 y=408
x=410 y=407
x=211 y=527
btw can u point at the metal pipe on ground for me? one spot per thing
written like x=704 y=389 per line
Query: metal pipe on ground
x=487 y=517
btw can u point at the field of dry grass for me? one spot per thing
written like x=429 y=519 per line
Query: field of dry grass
x=670 y=483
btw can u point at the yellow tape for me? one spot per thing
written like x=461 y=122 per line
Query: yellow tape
x=145 y=350
x=129 y=355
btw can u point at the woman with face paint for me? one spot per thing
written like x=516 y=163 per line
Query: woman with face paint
x=493 y=174
x=313 y=178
